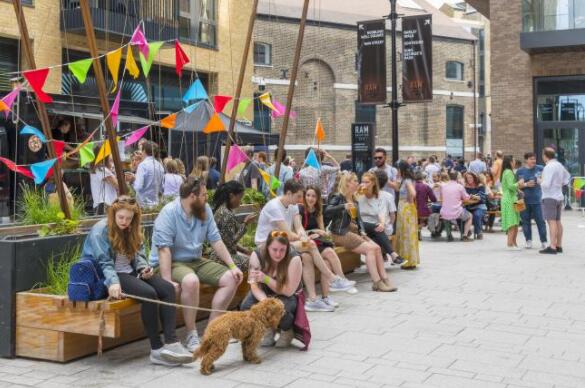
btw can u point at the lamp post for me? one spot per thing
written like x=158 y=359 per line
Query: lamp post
x=394 y=104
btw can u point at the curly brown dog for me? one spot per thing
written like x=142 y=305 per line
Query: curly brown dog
x=246 y=326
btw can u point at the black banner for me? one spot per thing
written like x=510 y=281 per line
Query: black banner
x=362 y=146
x=371 y=62
x=417 y=62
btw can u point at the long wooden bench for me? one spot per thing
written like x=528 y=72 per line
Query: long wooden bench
x=50 y=327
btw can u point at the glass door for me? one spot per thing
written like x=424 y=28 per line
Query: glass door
x=567 y=143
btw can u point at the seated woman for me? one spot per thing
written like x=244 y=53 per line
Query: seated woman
x=228 y=196
x=116 y=244
x=342 y=213
x=374 y=213
x=275 y=272
x=425 y=197
x=476 y=189
x=312 y=219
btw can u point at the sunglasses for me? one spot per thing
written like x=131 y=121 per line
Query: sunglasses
x=278 y=233
x=378 y=157
x=125 y=199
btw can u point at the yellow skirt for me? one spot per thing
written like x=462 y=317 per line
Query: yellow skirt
x=407 y=234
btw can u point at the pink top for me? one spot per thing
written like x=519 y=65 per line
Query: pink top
x=452 y=195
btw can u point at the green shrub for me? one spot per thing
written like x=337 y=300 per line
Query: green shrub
x=35 y=208
x=58 y=270
x=253 y=197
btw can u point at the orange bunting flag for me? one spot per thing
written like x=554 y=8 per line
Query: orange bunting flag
x=3 y=106
x=319 y=131
x=131 y=65
x=214 y=125
x=169 y=122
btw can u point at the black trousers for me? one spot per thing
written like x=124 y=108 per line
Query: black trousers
x=379 y=238
x=290 y=308
x=153 y=288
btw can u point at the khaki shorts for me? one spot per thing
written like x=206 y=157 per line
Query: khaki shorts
x=208 y=271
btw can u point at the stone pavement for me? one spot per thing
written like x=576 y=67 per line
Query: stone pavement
x=473 y=315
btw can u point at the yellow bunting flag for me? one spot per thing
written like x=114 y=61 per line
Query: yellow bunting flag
x=169 y=122
x=113 y=59
x=265 y=176
x=214 y=125
x=319 y=131
x=266 y=100
x=131 y=65
x=104 y=152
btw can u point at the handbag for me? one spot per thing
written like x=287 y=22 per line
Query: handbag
x=301 y=327
x=520 y=205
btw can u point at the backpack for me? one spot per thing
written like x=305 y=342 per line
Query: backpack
x=86 y=282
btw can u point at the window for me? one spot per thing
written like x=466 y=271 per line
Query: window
x=262 y=117
x=198 y=21
x=454 y=71
x=262 y=54
x=8 y=62
x=454 y=122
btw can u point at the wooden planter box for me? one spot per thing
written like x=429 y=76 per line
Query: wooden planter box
x=50 y=327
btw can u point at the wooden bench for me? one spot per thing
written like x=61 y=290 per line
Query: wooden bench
x=50 y=327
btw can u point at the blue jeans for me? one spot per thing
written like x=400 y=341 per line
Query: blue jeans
x=478 y=220
x=533 y=212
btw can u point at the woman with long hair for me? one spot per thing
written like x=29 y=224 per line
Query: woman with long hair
x=311 y=213
x=476 y=189
x=275 y=272
x=116 y=245
x=343 y=216
x=228 y=197
x=407 y=219
x=510 y=217
x=201 y=169
x=172 y=180
x=494 y=197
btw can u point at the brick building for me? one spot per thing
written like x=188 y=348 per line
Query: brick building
x=327 y=80
x=538 y=77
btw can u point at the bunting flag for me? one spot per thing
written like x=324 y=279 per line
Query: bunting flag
x=169 y=122
x=41 y=170
x=37 y=79
x=578 y=184
x=311 y=160
x=86 y=154
x=115 y=109
x=113 y=59
x=281 y=110
x=80 y=69
x=154 y=47
x=28 y=130
x=19 y=169
x=219 y=102
x=59 y=147
x=191 y=107
x=104 y=152
x=138 y=39
x=243 y=106
x=235 y=157
x=265 y=99
x=181 y=59
x=275 y=183
x=196 y=92
x=319 y=131
x=135 y=136
x=131 y=65
x=214 y=125
x=8 y=100
x=265 y=176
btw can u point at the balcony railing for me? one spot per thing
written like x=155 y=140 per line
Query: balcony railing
x=120 y=17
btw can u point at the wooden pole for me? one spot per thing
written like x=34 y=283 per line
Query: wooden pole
x=228 y=142
x=291 y=89
x=101 y=85
x=43 y=116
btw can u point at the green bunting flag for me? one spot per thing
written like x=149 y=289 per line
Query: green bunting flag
x=86 y=154
x=274 y=183
x=153 y=49
x=80 y=69
x=243 y=106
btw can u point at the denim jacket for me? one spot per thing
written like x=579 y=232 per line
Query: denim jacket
x=97 y=247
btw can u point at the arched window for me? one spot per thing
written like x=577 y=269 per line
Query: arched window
x=454 y=71
x=262 y=54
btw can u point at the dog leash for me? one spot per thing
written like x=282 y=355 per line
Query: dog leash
x=177 y=305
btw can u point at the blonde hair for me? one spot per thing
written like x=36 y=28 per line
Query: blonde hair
x=171 y=166
x=180 y=166
x=344 y=180
x=201 y=167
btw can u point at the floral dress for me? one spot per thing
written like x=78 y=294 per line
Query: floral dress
x=407 y=229
x=510 y=217
x=231 y=231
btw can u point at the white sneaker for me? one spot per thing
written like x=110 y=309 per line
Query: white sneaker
x=176 y=353
x=156 y=358
x=340 y=284
x=318 y=305
x=388 y=264
x=352 y=291
x=329 y=301
x=528 y=244
x=362 y=269
x=192 y=341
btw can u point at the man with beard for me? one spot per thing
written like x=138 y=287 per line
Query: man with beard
x=380 y=164
x=180 y=230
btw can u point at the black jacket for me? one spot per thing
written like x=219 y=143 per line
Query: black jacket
x=337 y=217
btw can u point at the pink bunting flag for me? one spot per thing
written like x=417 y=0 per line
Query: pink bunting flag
x=220 y=102
x=138 y=39
x=115 y=109
x=135 y=136
x=9 y=99
x=37 y=79
x=281 y=110
x=235 y=157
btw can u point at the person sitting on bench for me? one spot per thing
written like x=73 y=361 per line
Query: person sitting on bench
x=452 y=195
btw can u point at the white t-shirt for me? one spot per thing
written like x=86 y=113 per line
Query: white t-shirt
x=392 y=173
x=388 y=200
x=431 y=169
x=371 y=208
x=101 y=190
x=272 y=213
x=172 y=185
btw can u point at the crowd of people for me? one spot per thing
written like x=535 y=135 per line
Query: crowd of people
x=314 y=211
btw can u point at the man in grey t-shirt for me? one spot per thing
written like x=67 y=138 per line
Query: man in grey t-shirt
x=380 y=164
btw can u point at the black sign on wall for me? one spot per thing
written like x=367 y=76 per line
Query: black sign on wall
x=371 y=62
x=417 y=62
x=362 y=146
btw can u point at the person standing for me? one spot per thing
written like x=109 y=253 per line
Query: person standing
x=432 y=168
x=323 y=178
x=477 y=166
x=407 y=221
x=533 y=198
x=214 y=174
x=147 y=182
x=103 y=183
x=380 y=164
x=497 y=168
x=554 y=177
x=510 y=217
